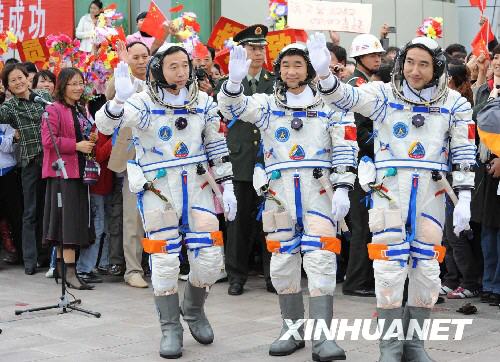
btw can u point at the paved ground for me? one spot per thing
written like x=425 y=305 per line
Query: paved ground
x=244 y=326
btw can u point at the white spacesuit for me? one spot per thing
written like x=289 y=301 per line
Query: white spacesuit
x=419 y=135
x=303 y=140
x=176 y=137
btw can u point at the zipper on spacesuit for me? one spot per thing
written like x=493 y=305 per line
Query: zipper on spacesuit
x=184 y=219
x=298 y=200
x=411 y=220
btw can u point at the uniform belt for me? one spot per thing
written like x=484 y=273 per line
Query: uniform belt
x=308 y=114
x=298 y=164
x=177 y=111
x=419 y=109
x=427 y=165
x=151 y=167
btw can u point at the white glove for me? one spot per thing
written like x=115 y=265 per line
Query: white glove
x=136 y=179
x=367 y=173
x=123 y=84
x=238 y=64
x=259 y=179
x=229 y=200
x=319 y=54
x=340 y=203
x=461 y=214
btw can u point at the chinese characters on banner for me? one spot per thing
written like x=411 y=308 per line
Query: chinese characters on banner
x=32 y=19
x=33 y=50
x=223 y=30
x=227 y=28
x=326 y=15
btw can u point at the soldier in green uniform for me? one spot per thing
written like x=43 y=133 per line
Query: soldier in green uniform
x=359 y=281
x=243 y=140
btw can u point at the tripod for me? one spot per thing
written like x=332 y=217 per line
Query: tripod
x=64 y=304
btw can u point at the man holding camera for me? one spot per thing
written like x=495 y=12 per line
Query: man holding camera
x=243 y=140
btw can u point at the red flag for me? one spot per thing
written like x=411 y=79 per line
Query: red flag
x=483 y=37
x=176 y=9
x=481 y=4
x=153 y=23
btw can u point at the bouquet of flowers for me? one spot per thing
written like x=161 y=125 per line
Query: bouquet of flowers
x=105 y=28
x=98 y=69
x=8 y=40
x=278 y=11
x=431 y=28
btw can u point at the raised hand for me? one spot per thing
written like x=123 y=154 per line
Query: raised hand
x=319 y=54
x=123 y=84
x=238 y=64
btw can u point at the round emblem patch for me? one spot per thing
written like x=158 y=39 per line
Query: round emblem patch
x=165 y=133
x=400 y=130
x=282 y=134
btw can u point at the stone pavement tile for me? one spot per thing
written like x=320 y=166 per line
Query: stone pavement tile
x=447 y=356
x=25 y=355
x=491 y=355
x=64 y=348
x=26 y=342
x=90 y=356
x=471 y=345
x=137 y=349
x=105 y=341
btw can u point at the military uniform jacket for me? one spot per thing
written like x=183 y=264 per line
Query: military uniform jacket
x=364 y=125
x=243 y=138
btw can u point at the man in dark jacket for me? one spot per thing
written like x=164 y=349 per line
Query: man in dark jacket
x=243 y=141
x=359 y=281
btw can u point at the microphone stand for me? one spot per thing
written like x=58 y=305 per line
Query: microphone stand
x=64 y=304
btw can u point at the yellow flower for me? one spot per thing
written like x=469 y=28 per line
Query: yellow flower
x=12 y=37
x=431 y=33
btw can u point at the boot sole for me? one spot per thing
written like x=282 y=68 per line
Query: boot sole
x=287 y=353
x=199 y=340
x=316 y=357
x=171 y=356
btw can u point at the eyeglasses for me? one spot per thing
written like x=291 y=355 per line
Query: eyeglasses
x=80 y=84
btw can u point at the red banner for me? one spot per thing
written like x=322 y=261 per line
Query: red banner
x=33 y=50
x=32 y=19
x=223 y=30
x=277 y=40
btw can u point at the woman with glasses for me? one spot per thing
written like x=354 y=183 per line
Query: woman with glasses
x=71 y=226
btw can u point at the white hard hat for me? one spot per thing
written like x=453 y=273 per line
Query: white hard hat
x=365 y=44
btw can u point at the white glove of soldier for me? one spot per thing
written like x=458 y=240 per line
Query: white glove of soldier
x=229 y=200
x=238 y=64
x=367 y=173
x=123 y=84
x=259 y=178
x=340 y=203
x=461 y=214
x=319 y=54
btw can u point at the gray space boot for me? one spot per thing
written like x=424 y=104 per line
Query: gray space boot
x=194 y=314
x=414 y=348
x=292 y=307
x=323 y=349
x=391 y=350
x=171 y=328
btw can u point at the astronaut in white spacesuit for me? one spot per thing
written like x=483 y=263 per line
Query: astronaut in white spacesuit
x=176 y=134
x=303 y=141
x=421 y=130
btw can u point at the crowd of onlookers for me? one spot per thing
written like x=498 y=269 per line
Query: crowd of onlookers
x=98 y=221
